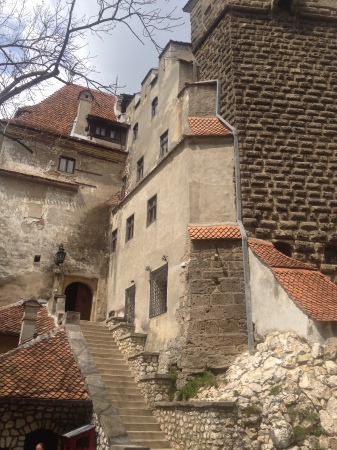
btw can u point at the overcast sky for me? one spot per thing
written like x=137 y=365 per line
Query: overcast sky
x=122 y=55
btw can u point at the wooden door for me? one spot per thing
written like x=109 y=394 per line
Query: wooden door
x=83 y=301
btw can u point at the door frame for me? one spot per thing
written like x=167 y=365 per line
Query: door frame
x=91 y=283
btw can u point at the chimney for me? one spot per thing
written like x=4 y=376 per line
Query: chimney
x=30 y=309
x=84 y=108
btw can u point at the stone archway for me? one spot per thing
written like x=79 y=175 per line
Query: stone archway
x=47 y=437
x=79 y=298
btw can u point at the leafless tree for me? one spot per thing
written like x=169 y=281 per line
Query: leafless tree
x=45 y=41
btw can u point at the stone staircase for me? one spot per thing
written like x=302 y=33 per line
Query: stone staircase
x=124 y=393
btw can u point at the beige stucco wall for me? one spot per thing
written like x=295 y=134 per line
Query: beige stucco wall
x=38 y=214
x=274 y=310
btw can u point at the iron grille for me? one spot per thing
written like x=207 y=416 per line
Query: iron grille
x=130 y=297
x=158 y=291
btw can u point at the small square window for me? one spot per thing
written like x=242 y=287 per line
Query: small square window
x=140 y=169
x=66 y=164
x=123 y=187
x=100 y=131
x=154 y=108
x=114 y=241
x=130 y=222
x=135 y=132
x=158 y=291
x=115 y=135
x=151 y=210
x=163 y=144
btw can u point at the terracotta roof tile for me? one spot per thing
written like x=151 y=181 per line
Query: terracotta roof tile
x=11 y=319
x=309 y=289
x=268 y=253
x=208 y=126
x=214 y=232
x=43 y=369
x=56 y=113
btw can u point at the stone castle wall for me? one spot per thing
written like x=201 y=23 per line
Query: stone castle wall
x=279 y=88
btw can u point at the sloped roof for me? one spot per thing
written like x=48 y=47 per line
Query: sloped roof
x=208 y=126
x=310 y=289
x=56 y=113
x=44 y=368
x=214 y=232
x=11 y=319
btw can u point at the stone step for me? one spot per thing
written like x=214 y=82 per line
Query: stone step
x=111 y=363
x=160 y=444
x=96 y=333
x=137 y=420
x=144 y=435
x=142 y=426
x=126 y=411
x=116 y=372
x=127 y=398
x=129 y=404
x=120 y=380
x=128 y=389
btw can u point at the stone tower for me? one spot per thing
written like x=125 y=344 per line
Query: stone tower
x=277 y=61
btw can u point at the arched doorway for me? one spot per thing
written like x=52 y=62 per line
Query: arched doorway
x=79 y=298
x=47 y=437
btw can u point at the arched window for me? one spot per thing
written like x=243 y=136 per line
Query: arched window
x=330 y=254
x=135 y=132
x=154 y=108
x=284 y=248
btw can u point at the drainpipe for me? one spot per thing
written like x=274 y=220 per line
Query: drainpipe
x=238 y=196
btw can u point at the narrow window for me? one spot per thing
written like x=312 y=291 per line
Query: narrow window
x=113 y=241
x=330 y=254
x=285 y=5
x=158 y=291
x=135 y=132
x=123 y=187
x=130 y=302
x=140 y=169
x=129 y=228
x=163 y=144
x=151 y=210
x=66 y=165
x=154 y=108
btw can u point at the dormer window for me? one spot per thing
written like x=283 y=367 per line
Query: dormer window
x=100 y=131
x=115 y=135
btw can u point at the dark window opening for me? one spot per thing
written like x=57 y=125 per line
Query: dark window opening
x=158 y=291
x=140 y=169
x=154 y=108
x=66 y=164
x=135 y=132
x=284 y=5
x=37 y=258
x=130 y=222
x=330 y=254
x=123 y=187
x=164 y=144
x=130 y=302
x=151 y=210
x=284 y=248
x=100 y=131
x=115 y=135
x=113 y=241
x=208 y=10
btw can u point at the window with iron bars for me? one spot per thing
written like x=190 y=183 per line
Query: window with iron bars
x=130 y=301
x=129 y=228
x=158 y=291
x=163 y=144
x=151 y=210
x=140 y=169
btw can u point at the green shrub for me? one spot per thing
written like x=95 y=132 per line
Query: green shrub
x=236 y=393
x=172 y=388
x=191 y=388
x=251 y=410
x=299 y=433
x=275 y=389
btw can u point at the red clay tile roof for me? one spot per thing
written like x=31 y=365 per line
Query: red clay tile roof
x=310 y=290
x=208 y=126
x=56 y=113
x=268 y=253
x=11 y=319
x=214 y=232
x=43 y=369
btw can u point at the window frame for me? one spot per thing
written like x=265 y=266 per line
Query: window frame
x=154 y=107
x=158 y=291
x=114 y=236
x=130 y=228
x=140 y=169
x=163 y=144
x=151 y=214
x=67 y=160
x=135 y=131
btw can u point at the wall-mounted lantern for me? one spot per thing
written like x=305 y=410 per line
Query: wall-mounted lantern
x=60 y=255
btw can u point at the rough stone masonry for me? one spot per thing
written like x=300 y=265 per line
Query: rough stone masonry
x=277 y=64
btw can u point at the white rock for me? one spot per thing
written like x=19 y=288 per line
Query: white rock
x=281 y=434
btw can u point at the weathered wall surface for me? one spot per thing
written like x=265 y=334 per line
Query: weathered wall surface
x=278 y=77
x=213 y=311
x=40 y=208
x=19 y=419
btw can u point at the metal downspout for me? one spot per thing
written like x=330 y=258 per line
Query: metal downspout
x=238 y=196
